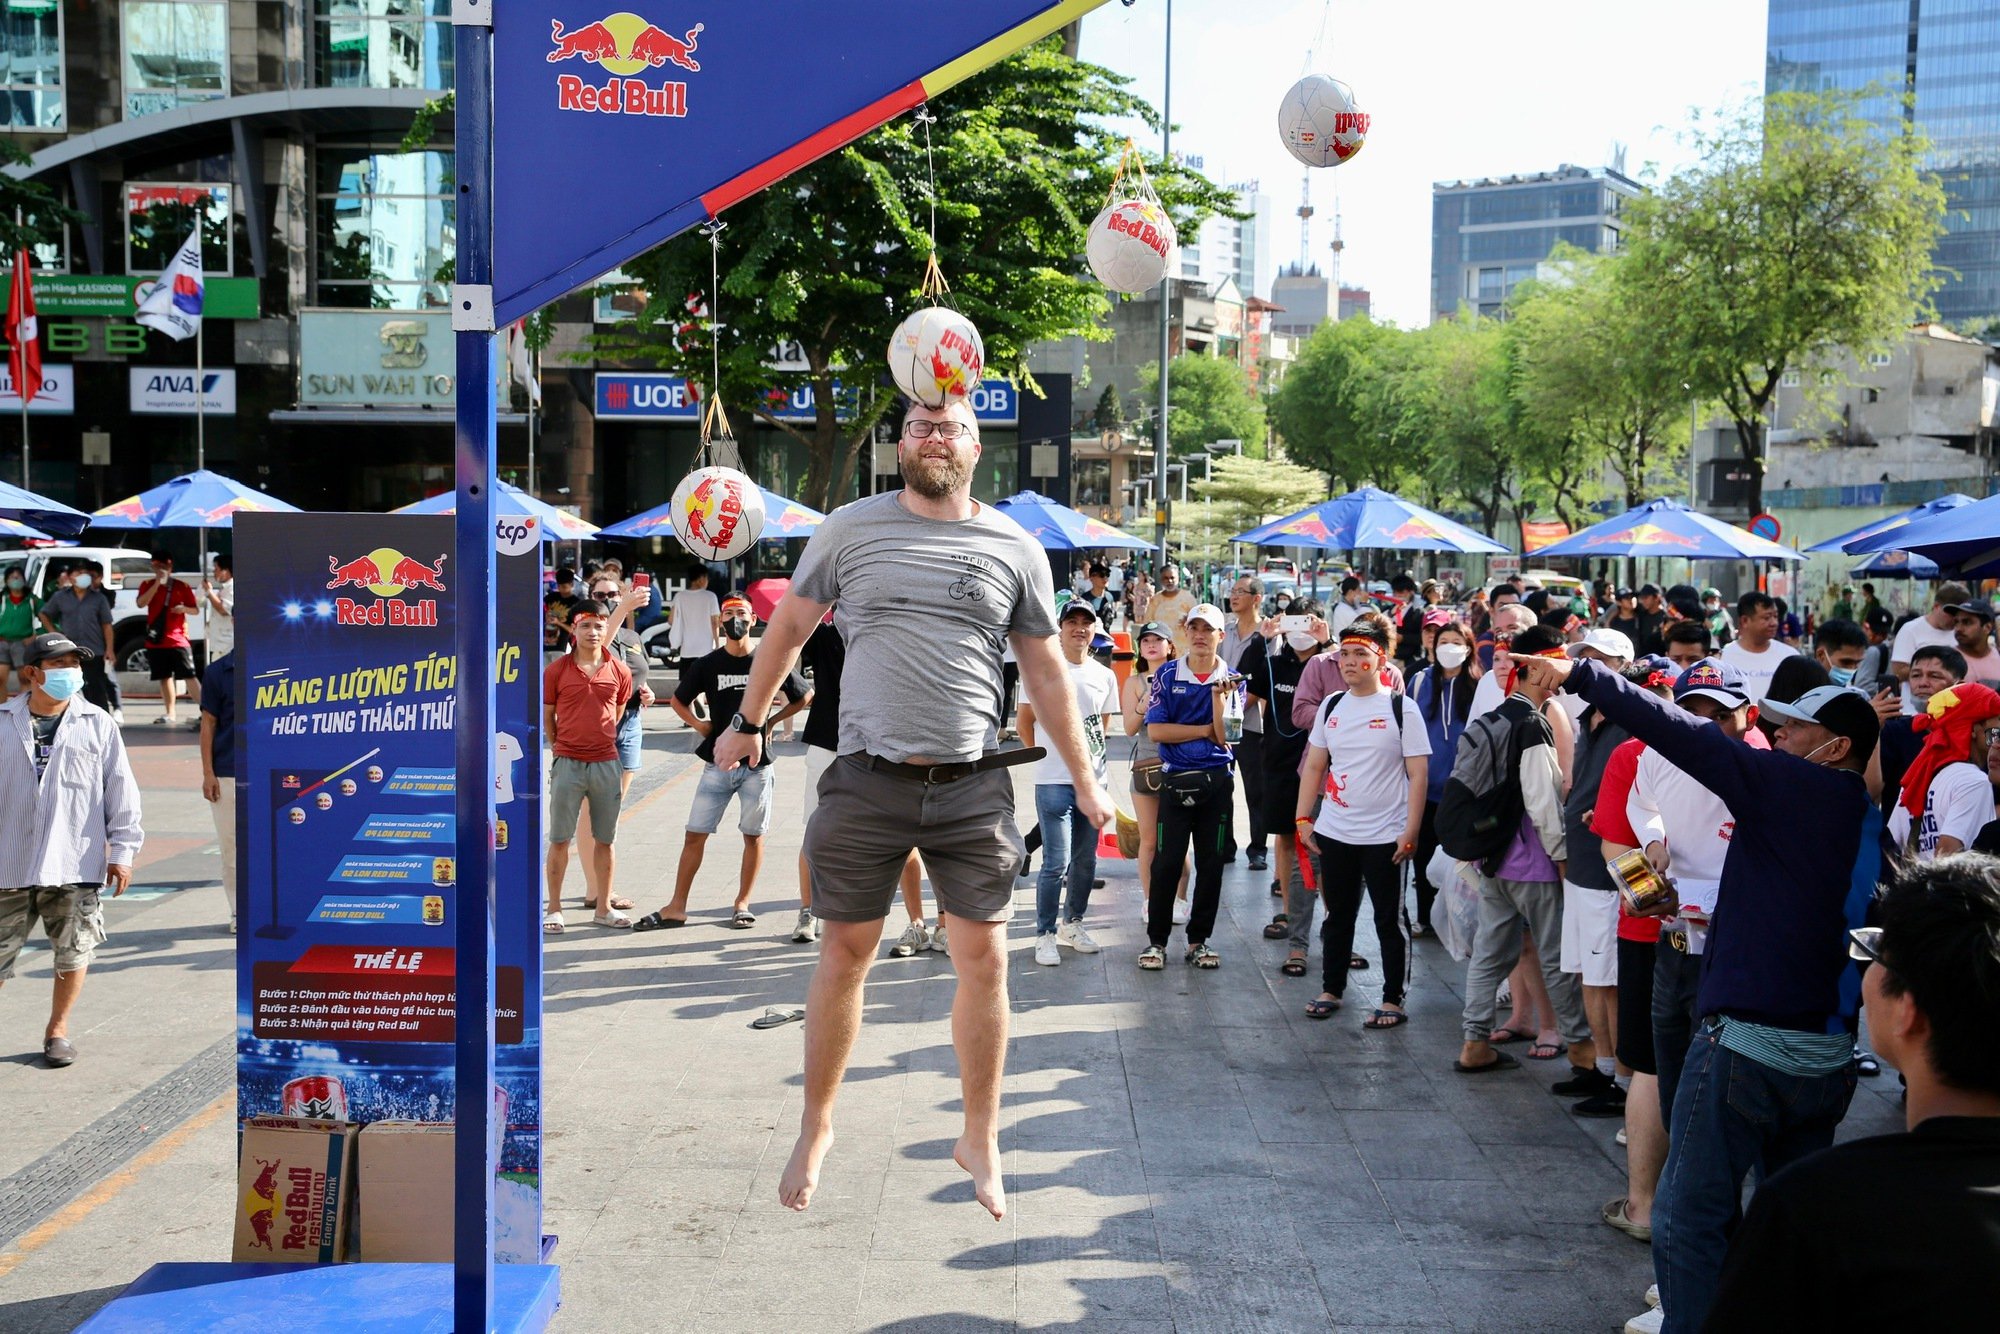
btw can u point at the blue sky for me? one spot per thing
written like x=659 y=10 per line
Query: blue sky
x=1457 y=89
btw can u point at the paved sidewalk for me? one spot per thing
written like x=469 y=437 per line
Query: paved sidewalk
x=1185 y=1150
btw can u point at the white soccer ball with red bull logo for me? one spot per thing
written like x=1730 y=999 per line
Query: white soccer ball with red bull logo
x=937 y=357
x=1320 y=122
x=718 y=513
x=1132 y=245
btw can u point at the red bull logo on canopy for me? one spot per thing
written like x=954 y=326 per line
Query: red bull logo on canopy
x=1309 y=525
x=388 y=574
x=1645 y=534
x=623 y=45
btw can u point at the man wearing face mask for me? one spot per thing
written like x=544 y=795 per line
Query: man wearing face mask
x=69 y=824
x=20 y=613
x=1839 y=646
x=1771 y=1070
x=81 y=613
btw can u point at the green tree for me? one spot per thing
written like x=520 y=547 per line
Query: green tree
x=1333 y=410
x=1110 y=414
x=1241 y=493
x=1211 y=401
x=1804 y=230
x=43 y=216
x=830 y=259
x=1451 y=417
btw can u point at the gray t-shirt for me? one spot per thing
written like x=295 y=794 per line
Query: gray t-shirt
x=925 y=607
x=81 y=616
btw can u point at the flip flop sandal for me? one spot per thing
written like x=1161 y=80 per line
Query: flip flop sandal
x=652 y=921
x=1502 y=1036
x=617 y=904
x=1279 y=927
x=1386 y=1019
x=1546 y=1051
x=552 y=924
x=1501 y=1061
x=1321 y=1009
x=1356 y=964
x=614 y=918
x=776 y=1018
x=1614 y=1213
x=1867 y=1066
x=1293 y=968
x=743 y=921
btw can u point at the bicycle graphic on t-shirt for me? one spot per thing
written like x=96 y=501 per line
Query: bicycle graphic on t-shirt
x=965 y=587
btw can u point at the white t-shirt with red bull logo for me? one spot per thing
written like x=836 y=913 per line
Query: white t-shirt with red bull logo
x=1366 y=797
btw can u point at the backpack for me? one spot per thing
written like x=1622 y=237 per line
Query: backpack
x=1395 y=706
x=1481 y=809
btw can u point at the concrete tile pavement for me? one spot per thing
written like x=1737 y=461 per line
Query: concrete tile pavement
x=1184 y=1150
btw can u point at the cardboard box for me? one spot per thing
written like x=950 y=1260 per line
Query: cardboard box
x=292 y=1177
x=406 y=1206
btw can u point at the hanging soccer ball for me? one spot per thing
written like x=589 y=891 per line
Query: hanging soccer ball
x=1319 y=122
x=1131 y=245
x=717 y=513
x=936 y=357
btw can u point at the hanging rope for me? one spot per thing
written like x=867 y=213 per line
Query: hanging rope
x=1325 y=19
x=934 y=288
x=718 y=443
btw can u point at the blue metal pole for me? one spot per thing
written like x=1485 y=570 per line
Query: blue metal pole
x=473 y=546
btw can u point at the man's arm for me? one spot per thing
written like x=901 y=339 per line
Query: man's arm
x=1045 y=677
x=1024 y=722
x=124 y=830
x=687 y=715
x=1693 y=745
x=1418 y=768
x=1541 y=795
x=792 y=705
x=791 y=625
x=211 y=786
x=1312 y=689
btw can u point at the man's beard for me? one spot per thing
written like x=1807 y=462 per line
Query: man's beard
x=936 y=478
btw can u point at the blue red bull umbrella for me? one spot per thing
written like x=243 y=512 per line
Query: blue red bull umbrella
x=52 y=517
x=1060 y=528
x=1895 y=565
x=1669 y=528
x=1962 y=540
x=783 y=519
x=512 y=503
x=1369 y=518
x=16 y=529
x=1893 y=522
x=200 y=499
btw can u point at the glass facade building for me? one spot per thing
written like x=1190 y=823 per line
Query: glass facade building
x=1489 y=236
x=1947 y=53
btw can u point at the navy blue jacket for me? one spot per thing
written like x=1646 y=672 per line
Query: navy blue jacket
x=1777 y=945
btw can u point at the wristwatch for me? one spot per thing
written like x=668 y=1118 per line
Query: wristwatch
x=738 y=723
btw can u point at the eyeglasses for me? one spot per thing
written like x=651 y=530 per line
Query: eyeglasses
x=1865 y=944
x=921 y=428
x=1992 y=735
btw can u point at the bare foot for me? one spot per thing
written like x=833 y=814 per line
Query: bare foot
x=981 y=1162
x=801 y=1178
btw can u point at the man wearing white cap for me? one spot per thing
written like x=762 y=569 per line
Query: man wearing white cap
x=1069 y=840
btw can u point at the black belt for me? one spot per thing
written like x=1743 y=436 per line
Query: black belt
x=950 y=773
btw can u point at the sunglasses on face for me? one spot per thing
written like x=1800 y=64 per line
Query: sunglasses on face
x=922 y=429
x=1864 y=943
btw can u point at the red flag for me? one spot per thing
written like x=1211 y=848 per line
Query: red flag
x=24 y=344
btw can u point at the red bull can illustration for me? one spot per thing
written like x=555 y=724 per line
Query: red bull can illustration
x=319 y=1097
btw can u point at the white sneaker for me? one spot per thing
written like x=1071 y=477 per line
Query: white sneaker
x=1653 y=1296
x=937 y=938
x=118 y=716
x=1620 y=1137
x=1046 y=952
x=1073 y=935
x=1651 y=1322
x=914 y=938
x=1180 y=912
x=803 y=932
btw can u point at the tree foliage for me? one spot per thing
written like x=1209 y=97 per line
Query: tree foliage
x=1333 y=408
x=1211 y=400
x=827 y=261
x=1241 y=493
x=1803 y=230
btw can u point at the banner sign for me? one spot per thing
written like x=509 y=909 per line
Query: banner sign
x=643 y=397
x=346 y=679
x=1539 y=533
x=56 y=397
x=158 y=389
x=675 y=110
x=115 y=296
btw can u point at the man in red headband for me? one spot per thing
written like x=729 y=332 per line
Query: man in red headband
x=1947 y=796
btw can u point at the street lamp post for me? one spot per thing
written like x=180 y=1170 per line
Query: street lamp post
x=1166 y=299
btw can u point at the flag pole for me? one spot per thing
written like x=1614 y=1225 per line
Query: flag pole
x=22 y=388
x=201 y=446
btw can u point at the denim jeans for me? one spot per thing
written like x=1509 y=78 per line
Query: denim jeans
x=1069 y=852
x=1732 y=1115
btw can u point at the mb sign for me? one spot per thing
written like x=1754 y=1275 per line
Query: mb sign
x=671 y=398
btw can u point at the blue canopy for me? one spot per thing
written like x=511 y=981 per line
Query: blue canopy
x=514 y=503
x=1894 y=521
x=1964 y=540
x=52 y=517
x=1895 y=565
x=16 y=529
x=1060 y=528
x=1668 y=528
x=783 y=519
x=1370 y=518
x=200 y=499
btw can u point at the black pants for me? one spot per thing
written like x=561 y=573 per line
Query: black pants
x=1203 y=821
x=1427 y=846
x=1345 y=869
x=1676 y=978
x=100 y=686
x=1250 y=761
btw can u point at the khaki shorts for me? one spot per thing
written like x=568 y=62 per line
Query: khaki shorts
x=71 y=916
x=867 y=823
x=573 y=782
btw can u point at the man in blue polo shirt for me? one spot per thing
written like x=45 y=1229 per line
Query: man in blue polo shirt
x=1771 y=1070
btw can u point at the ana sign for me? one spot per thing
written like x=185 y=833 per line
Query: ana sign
x=56 y=397
x=171 y=391
x=642 y=397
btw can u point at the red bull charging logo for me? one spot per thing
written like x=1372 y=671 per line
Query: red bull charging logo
x=623 y=45
x=388 y=574
x=1645 y=534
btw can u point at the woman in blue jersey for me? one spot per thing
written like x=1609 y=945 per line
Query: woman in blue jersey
x=1443 y=695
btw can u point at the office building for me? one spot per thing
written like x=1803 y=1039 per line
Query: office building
x=1303 y=297
x=1488 y=235
x=1238 y=248
x=1947 y=54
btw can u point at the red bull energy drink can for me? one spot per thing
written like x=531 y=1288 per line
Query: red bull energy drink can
x=318 y=1097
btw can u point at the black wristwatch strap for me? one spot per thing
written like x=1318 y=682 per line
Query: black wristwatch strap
x=738 y=723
